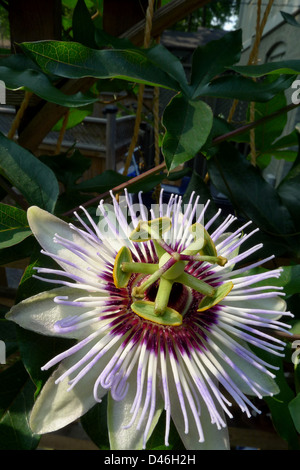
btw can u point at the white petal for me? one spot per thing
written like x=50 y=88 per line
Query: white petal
x=40 y=313
x=56 y=407
x=119 y=415
x=273 y=304
x=45 y=226
x=214 y=438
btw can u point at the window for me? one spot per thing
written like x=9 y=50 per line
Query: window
x=276 y=53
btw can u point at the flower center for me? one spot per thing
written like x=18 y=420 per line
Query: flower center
x=161 y=277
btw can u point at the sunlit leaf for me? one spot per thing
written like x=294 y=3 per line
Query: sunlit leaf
x=14 y=227
x=187 y=124
x=73 y=60
x=19 y=72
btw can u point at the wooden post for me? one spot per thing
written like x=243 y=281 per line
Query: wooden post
x=120 y=15
x=110 y=112
x=34 y=20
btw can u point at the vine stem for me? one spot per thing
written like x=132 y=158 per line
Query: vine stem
x=16 y=123
x=286 y=336
x=62 y=132
x=162 y=166
x=251 y=125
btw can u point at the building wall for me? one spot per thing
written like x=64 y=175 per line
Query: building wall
x=280 y=41
x=276 y=29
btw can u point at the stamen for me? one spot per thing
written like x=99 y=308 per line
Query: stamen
x=77 y=347
x=219 y=396
x=118 y=388
x=223 y=377
x=252 y=340
x=141 y=372
x=179 y=390
x=232 y=236
x=103 y=346
x=150 y=397
x=212 y=220
x=245 y=254
x=241 y=351
x=188 y=223
x=222 y=227
x=165 y=387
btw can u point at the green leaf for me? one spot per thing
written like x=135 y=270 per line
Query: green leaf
x=265 y=158
x=286 y=141
x=251 y=195
x=83 y=26
x=21 y=251
x=268 y=131
x=220 y=127
x=290 y=19
x=288 y=189
x=102 y=183
x=146 y=184
x=16 y=401
x=281 y=417
x=245 y=89
x=169 y=63
x=94 y=423
x=289 y=192
x=291 y=279
x=212 y=59
x=157 y=438
x=73 y=60
x=279 y=403
x=294 y=407
x=75 y=117
x=287 y=67
x=14 y=227
x=35 y=181
x=177 y=175
x=19 y=72
x=68 y=167
x=188 y=124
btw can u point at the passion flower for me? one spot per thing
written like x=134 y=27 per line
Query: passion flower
x=163 y=318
